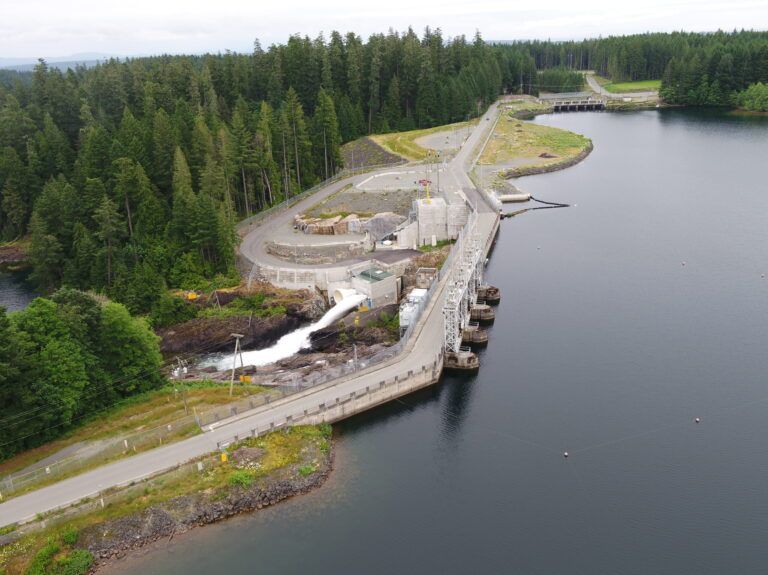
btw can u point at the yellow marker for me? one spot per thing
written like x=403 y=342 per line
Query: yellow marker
x=191 y=295
x=223 y=456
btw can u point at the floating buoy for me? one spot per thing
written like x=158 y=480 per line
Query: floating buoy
x=762 y=275
x=697 y=420
x=683 y=263
x=565 y=454
x=538 y=247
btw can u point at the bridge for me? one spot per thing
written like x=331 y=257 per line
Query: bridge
x=574 y=101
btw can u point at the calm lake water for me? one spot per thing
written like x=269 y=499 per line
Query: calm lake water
x=606 y=346
x=15 y=292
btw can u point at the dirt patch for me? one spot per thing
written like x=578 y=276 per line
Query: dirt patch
x=364 y=152
x=363 y=203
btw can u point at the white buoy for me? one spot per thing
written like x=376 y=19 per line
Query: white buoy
x=683 y=263
x=697 y=420
x=565 y=454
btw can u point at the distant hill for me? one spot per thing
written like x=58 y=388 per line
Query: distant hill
x=87 y=59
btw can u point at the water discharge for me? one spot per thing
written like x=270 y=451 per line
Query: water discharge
x=291 y=343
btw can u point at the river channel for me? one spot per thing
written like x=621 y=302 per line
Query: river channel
x=622 y=319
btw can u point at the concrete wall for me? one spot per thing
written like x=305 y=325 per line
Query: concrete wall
x=432 y=218
x=388 y=390
x=319 y=253
x=408 y=236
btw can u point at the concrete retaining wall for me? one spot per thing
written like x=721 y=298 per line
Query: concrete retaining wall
x=319 y=253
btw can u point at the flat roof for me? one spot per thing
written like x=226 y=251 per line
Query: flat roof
x=373 y=274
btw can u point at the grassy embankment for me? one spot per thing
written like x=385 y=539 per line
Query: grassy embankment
x=526 y=147
x=628 y=87
x=404 y=143
x=54 y=550
x=140 y=413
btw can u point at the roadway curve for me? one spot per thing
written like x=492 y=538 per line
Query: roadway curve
x=422 y=349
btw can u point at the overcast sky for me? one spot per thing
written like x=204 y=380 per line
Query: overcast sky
x=53 y=28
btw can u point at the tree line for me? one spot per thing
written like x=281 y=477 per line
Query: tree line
x=64 y=358
x=698 y=69
x=129 y=175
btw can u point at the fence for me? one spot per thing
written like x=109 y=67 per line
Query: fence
x=115 y=448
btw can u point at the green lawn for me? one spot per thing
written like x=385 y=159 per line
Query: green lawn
x=513 y=139
x=640 y=86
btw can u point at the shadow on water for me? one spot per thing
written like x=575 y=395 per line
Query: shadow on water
x=452 y=394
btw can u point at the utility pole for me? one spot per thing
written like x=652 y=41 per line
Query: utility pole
x=182 y=370
x=237 y=337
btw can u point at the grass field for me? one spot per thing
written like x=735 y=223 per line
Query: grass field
x=514 y=139
x=404 y=143
x=626 y=87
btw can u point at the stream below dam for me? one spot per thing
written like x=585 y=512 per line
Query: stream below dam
x=622 y=319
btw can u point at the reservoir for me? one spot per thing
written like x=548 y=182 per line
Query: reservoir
x=622 y=319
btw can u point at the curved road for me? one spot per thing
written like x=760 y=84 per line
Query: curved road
x=422 y=350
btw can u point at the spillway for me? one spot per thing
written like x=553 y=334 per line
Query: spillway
x=291 y=343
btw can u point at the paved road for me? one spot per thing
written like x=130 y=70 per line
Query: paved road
x=596 y=87
x=422 y=349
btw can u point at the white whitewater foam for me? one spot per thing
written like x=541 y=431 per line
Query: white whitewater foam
x=291 y=343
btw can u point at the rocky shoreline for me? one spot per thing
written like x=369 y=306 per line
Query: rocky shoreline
x=115 y=539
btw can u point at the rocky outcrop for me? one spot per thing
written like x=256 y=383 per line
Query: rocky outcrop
x=367 y=333
x=12 y=255
x=213 y=333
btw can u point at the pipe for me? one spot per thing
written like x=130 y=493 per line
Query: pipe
x=341 y=293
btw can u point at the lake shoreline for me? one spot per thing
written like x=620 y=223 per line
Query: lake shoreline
x=157 y=526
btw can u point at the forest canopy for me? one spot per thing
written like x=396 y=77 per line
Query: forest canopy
x=66 y=357
x=129 y=176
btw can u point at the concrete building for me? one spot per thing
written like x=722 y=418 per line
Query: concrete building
x=378 y=286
